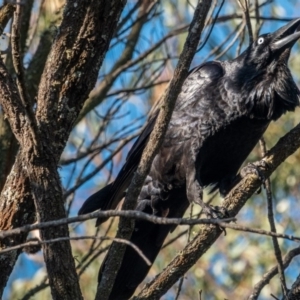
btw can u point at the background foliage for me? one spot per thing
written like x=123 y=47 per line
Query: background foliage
x=135 y=72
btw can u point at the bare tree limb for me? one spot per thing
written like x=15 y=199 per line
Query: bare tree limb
x=277 y=250
x=142 y=216
x=131 y=214
x=132 y=39
x=233 y=202
x=25 y=24
x=37 y=64
x=125 y=228
x=273 y=272
x=78 y=52
x=16 y=207
x=20 y=74
x=34 y=243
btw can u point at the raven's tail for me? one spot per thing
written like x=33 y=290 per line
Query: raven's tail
x=149 y=238
x=101 y=200
x=96 y=201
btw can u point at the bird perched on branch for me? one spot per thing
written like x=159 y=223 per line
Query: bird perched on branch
x=223 y=109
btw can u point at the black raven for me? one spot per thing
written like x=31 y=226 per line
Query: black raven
x=222 y=111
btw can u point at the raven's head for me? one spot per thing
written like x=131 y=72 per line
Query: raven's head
x=272 y=48
x=263 y=72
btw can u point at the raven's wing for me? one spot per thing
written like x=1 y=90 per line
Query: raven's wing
x=132 y=161
x=109 y=196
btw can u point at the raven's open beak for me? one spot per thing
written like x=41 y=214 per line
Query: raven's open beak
x=286 y=36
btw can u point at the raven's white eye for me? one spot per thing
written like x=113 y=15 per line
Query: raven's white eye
x=260 y=40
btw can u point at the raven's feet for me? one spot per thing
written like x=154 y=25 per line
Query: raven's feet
x=255 y=168
x=215 y=212
x=155 y=196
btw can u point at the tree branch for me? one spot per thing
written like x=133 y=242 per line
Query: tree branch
x=125 y=227
x=19 y=70
x=233 y=202
x=6 y=13
x=277 y=250
x=140 y=216
x=273 y=272
x=34 y=243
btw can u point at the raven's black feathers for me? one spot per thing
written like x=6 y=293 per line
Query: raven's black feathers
x=222 y=111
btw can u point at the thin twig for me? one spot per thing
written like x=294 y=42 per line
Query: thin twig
x=245 y=8
x=139 y=88
x=273 y=272
x=213 y=23
x=238 y=33
x=258 y=23
x=80 y=182
x=219 y=45
x=189 y=232
x=94 y=246
x=273 y=226
x=42 y=285
x=92 y=237
x=132 y=214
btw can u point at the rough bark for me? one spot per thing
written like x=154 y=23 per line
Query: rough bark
x=7 y=140
x=294 y=293
x=16 y=207
x=69 y=75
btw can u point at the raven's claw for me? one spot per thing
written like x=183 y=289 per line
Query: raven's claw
x=255 y=168
x=215 y=212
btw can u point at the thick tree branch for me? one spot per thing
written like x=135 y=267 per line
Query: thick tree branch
x=25 y=25
x=37 y=64
x=233 y=202
x=20 y=74
x=69 y=75
x=20 y=122
x=125 y=228
x=16 y=209
x=7 y=140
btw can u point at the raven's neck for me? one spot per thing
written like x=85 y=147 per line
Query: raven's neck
x=267 y=93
